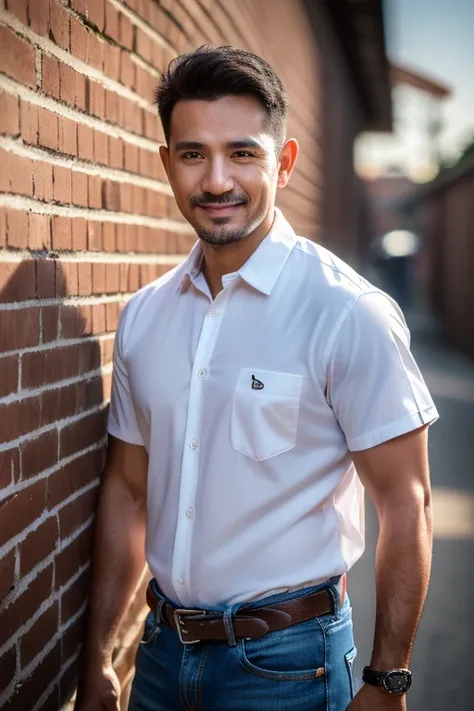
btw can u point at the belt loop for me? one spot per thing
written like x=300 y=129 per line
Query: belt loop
x=229 y=625
x=159 y=611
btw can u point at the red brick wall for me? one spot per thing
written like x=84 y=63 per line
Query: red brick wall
x=86 y=218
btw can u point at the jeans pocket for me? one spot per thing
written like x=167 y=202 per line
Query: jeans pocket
x=294 y=654
x=151 y=630
x=350 y=659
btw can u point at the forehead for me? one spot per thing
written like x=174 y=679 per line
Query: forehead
x=219 y=120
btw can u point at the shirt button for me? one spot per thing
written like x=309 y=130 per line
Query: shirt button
x=202 y=372
x=193 y=444
x=214 y=312
x=189 y=512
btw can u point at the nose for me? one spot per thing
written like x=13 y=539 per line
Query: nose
x=217 y=179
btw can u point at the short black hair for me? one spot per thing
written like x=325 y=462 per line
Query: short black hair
x=210 y=73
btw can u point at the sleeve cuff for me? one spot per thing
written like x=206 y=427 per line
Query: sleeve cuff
x=124 y=436
x=394 y=429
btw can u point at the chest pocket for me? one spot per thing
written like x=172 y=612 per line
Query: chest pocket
x=265 y=412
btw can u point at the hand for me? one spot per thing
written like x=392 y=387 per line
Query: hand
x=100 y=691
x=370 y=698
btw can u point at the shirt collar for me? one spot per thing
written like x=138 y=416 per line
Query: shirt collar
x=263 y=267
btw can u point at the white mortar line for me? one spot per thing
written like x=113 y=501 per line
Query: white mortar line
x=45 y=102
x=63 y=301
x=137 y=20
x=16 y=146
x=64 y=667
x=96 y=257
x=7 y=19
x=19 y=202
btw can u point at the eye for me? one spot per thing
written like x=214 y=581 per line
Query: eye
x=191 y=155
x=243 y=154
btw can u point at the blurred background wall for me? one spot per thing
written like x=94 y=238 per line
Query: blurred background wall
x=86 y=218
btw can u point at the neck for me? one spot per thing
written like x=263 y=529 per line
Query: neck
x=225 y=259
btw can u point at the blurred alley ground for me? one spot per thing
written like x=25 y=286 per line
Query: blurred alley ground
x=442 y=662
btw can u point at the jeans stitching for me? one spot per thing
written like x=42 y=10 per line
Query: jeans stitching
x=199 y=674
x=326 y=686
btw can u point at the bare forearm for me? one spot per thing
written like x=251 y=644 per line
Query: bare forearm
x=118 y=561
x=403 y=564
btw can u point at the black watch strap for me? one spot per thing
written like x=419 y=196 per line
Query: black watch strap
x=394 y=681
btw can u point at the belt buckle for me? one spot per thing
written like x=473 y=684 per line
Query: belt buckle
x=180 y=624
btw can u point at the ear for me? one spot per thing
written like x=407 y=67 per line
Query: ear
x=165 y=159
x=286 y=161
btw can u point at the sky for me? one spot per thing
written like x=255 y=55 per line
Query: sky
x=435 y=37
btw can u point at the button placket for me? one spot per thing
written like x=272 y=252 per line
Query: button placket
x=190 y=462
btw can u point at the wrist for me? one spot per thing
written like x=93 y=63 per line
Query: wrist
x=393 y=682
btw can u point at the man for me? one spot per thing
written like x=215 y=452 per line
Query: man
x=256 y=386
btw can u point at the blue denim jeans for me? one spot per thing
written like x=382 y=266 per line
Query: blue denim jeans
x=306 y=667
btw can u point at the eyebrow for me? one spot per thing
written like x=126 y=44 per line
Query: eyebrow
x=236 y=145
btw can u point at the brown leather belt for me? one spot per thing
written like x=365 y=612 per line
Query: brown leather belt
x=194 y=626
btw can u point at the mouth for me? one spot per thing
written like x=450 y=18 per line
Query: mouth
x=221 y=210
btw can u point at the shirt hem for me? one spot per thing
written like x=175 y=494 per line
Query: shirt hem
x=116 y=432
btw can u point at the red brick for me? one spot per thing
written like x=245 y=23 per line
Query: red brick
x=75 y=555
x=139 y=200
x=85 y=142
x=43 y=180
x=108 y=237
x=89 y=356
x=7 y=573
x=85 y=278
x=131 y=157
x=50 y=323
x=67 y=83
x=80 y=6
x=115 y=152
x=68 y=136
x=6 y=160
x=39 y=454
x=98 y=278
x=98 y=317
x=96 y=13
x=7 y=667
x=67 y=481
x=58 y=404
x=24 y=607
x=75 y=596
x=9 y=469
x=95 y=191
x=9 y=114
x=111 y=315
x=152 y=126
x=48 y=129
x=112 y=195
x=79 y=40
x=17 y=283
x=97 y=99
x=45 y=627
x=9 y=379
x=19 y=8
x=39 y=231
x=143 y=45
x=61 y=233
x=112 y=59
x=96 y=52
x=27 y=693
x=19 y=328
x=17 y=58
x=69 y=276
x=72 y=516
x=111 y=106
x=79 y=231
x=39 y=16
x=85 y=319
x=94 y=240
x=21 y=176
x=101 y=148
x=61 y=184
x=22 y=509
x=3 y=224
x=134 y=277
x=126 y=32
x=112 y=22
x=59 y=24
x=81 y=83
x=50 y=366
x=17 y=226
x=79 y=191
x=29 y=122
x=38 y=544
x=120 y=231
x=68 y=321
x=128 y=70
x=46 y=278
x=50 y=76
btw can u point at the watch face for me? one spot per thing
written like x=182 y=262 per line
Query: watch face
x=397 y=682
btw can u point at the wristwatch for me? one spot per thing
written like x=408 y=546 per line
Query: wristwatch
x=395 y=681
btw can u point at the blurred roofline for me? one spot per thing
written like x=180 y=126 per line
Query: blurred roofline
x=359 y=27
x=443 y=180
x=418 y=80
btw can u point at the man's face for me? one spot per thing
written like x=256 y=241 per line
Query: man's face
x=222 y=166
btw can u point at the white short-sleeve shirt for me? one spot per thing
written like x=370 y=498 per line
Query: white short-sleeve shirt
x=249 y=406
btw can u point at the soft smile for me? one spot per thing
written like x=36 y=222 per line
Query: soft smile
x=221 y=210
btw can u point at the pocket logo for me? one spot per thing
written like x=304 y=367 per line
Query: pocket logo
x=257 y=384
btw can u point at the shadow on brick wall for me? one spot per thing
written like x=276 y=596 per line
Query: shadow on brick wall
x=52 y=435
